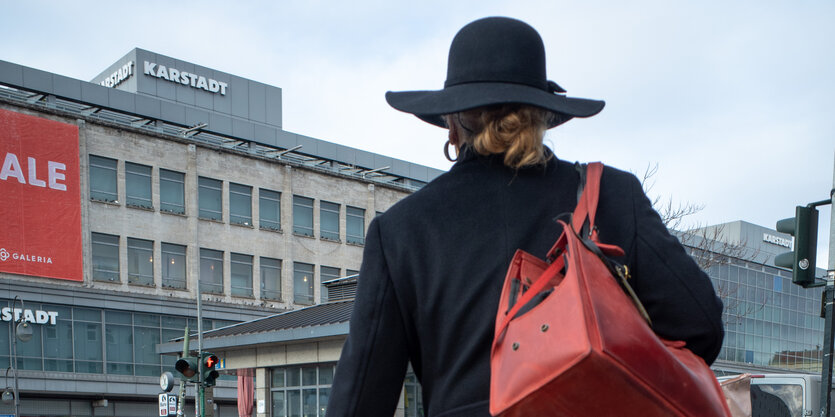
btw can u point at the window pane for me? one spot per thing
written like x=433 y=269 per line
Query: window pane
x=144 y=349
x=325 y=375
x=138 y=185
x=329 y=220
x=327 y=273
x=87 y=342
x=105 y=257
x=279 y=406
x=294 y=406
x=209 y=198
x=302 y=283
x=102 y=178
x=269 y=209
x=309 y=375
x=303 y=216
x=240 y=204
x=355 y=225
x=324 y=394
x=241 y=270
x=270 y=278
x=294 y=377
x=173 y=266
x=211 y=271
x=140 y=261
x=119 y=349
x=310 y=408
x=172 y=191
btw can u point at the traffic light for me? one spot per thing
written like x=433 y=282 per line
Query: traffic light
x=804 y=227
x=187 y=366
x=210 y=374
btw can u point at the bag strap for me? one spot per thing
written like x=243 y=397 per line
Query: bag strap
x=587 y=202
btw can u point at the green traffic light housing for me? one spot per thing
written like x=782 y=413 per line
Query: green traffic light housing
x=804 y=227
x=187 y=366
x=209 y=363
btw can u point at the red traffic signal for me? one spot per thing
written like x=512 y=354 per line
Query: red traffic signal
x=210 y=361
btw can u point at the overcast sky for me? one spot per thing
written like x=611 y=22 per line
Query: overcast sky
x=732 y=99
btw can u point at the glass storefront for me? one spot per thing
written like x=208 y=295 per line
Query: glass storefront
x=97 y=341
x=769 y=321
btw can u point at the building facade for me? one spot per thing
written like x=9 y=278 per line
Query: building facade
x=771 y=324
x=124 y=195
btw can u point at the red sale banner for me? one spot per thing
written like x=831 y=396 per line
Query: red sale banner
x=40 y=197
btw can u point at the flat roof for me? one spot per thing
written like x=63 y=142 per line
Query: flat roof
x=31 y=86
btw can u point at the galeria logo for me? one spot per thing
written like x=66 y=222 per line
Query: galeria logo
x=4 y=254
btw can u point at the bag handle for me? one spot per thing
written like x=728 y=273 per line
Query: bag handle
x=588 y=195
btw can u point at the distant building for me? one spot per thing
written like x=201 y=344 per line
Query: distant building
x=120 y=195
x=771 y=324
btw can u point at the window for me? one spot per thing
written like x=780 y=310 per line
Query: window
x=355 y=225
x=241 y=271
x=172 y=191
x=329 y=220
x=140 y=261
x=302 y=283
x=57 y=341
x=88 y=340
x=138 y=185
x=301 y=390
x=327 y=273
x=349 y=272
x=240 y=204
x=303 y=216
x=118 y=334
x=103 y=179
x=270 y=278
x=211 y=271
x=173 y=265
x=146 y=336
x=105 y=257
x=413 y=401
x=269 y=208
x=209 y=193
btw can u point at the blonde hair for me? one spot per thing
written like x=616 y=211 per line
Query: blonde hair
x=513 y=130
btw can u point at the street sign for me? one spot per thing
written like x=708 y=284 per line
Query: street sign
x=172 y=405
x=221 y=364
x=163 y=405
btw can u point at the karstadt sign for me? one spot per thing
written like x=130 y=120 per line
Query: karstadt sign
x=185 y=78
x=40 y=203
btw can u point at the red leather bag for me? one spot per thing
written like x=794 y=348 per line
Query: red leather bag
x=571 y=339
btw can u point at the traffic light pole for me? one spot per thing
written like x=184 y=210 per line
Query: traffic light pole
x=829 y=298
x=200 y=403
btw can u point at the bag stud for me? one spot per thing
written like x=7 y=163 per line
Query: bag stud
x=515 y=345
x=544 y=328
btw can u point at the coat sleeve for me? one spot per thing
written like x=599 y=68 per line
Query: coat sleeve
x=677 y=294
x=370 y=372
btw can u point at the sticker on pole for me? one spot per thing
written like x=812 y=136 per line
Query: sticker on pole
x=163 y=405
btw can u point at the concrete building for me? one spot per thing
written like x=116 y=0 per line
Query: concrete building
x=122 y=195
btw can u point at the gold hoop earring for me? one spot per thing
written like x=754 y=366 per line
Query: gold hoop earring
x=446 y=152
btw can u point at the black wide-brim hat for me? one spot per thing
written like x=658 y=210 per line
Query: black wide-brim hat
x=493 y=61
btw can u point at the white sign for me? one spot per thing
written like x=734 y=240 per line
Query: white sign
x=36 y=316
x=172 y=404
x=185 y=78
x=120 y=75
x=777 y=240
x=163 y=405
x=262 y=407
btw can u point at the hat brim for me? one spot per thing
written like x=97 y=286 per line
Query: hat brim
x=430 y=106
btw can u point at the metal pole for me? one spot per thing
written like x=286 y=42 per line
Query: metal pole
x=829 y=330
x=199 y=404
x=14 y=354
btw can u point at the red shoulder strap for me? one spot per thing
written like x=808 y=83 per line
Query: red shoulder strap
x=587 y=204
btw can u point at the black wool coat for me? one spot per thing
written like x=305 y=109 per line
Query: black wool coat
x=434 y=265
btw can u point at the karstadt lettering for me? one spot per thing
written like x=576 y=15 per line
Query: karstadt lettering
x=185 y=78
